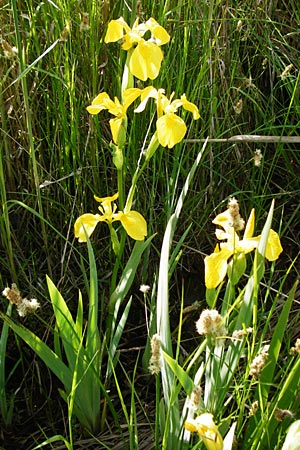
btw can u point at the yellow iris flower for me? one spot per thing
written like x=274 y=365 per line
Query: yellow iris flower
x=132 y=221
x=146 y=55
x=216 y=264
x=207 y=430
x=170 y=127
x=117 y=109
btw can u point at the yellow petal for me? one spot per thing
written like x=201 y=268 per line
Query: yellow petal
x=107 y=199
x=247 y=245
x=190 y=425
x=207 y=431
x=249 y=230
x=274 y=247
x=129 y=95
x=160 y=34
x=135 y=225
x=118 y=131
x=146 y=60
x=87 y=222
x=189 y=106
x=115 y=30
x=170 y=130
x=216 y=267
x=148 y=92
x=224 y=220
x=99 y=103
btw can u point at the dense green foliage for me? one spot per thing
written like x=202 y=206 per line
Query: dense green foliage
x=238 y=61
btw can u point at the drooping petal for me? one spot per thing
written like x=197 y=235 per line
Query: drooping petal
x=216 y=267
x=115 y=30
x=86 y=222
x=99 y=103
x=118 y=134
x=170 y=130
x=146 y=60
x=189 y=106
x=274 y=247
x=160 y=34
x=134 y=223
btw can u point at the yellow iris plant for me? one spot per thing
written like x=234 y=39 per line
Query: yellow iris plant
x=117 y=109
x=132 y=221
x=146 y=55
x=216 y=264
x=171 y=128
x=207 y=430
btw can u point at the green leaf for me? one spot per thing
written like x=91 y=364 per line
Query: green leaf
x=57 y=366
x=65 y=323
x=183 y=378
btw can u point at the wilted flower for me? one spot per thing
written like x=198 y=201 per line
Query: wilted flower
x=23 y=305
x=216 y=264
x=239 y=334
x=8 y=51
x=236 y=221
x=296 y=349
x=259 y=362
x=170 y=127
x=146 y=55
x=210 y=323
x=253 y=408
x=257 y=157
x=133 y=222
x=207 y=430
x=286 y=72
x=238 y=106
x=281 y=414
x=196 y=400
x=85 y=22
x=155 y=360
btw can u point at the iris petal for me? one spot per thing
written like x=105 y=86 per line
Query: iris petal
x=134 y=224
x=216 y=267
x=170 y=130
x=115 y=30
x=85 y=223
x=274 y=247
x=146 y=60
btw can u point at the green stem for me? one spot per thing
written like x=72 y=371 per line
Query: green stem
x=120 y=181
x=139 y=170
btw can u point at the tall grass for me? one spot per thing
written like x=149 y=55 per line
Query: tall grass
x=229 y=58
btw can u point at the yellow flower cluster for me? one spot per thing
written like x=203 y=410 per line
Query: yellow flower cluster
x=144 y=60
x=216 y=264
x=132 y=221
x=170 y=127
x=146 y=55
